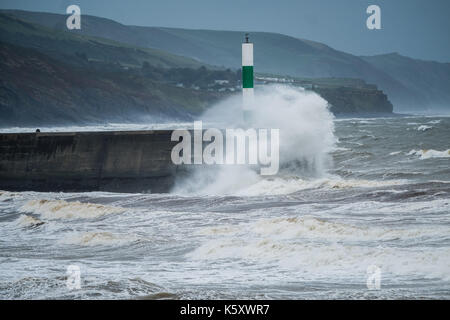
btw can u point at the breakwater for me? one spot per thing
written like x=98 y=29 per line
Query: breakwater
x=120 y=161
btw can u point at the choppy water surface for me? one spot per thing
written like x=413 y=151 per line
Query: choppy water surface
x=384 y=201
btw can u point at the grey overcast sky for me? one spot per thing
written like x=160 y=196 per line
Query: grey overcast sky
x=415 y=28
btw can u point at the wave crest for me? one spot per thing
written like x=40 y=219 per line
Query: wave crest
x=316 y=247
x=98 y=238
x=60 y=209
x=430 y=153
x=28 y=221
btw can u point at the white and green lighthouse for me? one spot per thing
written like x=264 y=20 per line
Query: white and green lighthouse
x=247 y=79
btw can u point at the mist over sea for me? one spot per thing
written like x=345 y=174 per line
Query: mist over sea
x=375 y=192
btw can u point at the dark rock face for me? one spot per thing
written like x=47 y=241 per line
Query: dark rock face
x=345 y=100
x=36 y=90
x=137 y=161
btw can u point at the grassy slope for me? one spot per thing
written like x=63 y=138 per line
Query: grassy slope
x=274 y=53
x=36 y=89
x=60 y=44
x=47 y=82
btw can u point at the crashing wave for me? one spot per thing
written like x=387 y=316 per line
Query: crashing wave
x=6 y=195
x=98 y=238
x=424 y=128
x=278 y=185
x=28 y=221
x=430 y=153
x=318 y=247
x=60 y=209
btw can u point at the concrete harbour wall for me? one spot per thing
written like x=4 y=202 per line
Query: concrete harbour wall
x=121 y=161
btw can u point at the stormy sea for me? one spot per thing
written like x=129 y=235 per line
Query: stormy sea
x=353 y=198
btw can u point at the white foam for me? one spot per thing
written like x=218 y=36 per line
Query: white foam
x=251 y=184
x=97 y=238
x=223 y=182
x=315 y=228
x=393 y=209
x=60 y=209
x=6 y=195
x=430 y=153
x=317 y=247
x=340 y=149
x=28 y=221
x=306 y=137
x=286 y=185
x=424 y=128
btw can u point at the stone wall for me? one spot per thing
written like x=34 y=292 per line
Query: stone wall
x=86 y=161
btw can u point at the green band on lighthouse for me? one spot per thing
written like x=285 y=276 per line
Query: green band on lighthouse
x=247 y=80
x=247 y=76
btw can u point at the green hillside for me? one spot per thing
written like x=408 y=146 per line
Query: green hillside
x=36 y=89
x=276 y=54
x=71 y=46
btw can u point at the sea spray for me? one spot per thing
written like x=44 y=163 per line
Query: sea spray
x=306 y=139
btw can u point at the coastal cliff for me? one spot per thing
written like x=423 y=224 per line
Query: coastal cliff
x=345 y=100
